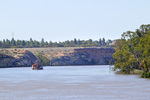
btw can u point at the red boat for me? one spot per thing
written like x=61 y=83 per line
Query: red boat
x=37 y=66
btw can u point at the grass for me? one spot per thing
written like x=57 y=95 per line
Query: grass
x=136 y=72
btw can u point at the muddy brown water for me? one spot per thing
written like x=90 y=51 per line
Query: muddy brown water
x=71 y=83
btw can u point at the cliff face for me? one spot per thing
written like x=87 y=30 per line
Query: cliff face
x=26 y=59
x=86 y=56
x=75 y=58
x=6 y=60
x=100 y=56
x=79 y=56
x=21 y=58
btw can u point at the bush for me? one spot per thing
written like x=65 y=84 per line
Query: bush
x=142 y=74
x=148 y=74
x=145 y=75
x=43 y=59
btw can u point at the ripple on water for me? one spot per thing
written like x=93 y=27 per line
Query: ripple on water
x=71 y=83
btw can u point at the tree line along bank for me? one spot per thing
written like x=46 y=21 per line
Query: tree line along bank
x=5 y=43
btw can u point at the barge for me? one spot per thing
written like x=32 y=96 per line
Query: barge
x=37 y=66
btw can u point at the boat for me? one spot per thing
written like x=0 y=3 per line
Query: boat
x=37 y=66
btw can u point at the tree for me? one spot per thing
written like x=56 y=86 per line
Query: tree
x=36 y=43
x=133 y=50
x=79 y=43
x=43 y=59
x=42 y=42
x=46 y=44
x=13 y=43
x=8 y=44
x=100 y=41
x=27 y=44
x=144 y=44
x=50 y=43
x=18 y=43
x=123 y=59
x=23 y=43
x=75 y=41
x=90 y=41
x=104 y=43
x=67 y=42
x=31 y=43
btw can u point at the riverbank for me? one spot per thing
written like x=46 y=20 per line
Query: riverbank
x=66 y=56
x=136 y=72
x=16 y=58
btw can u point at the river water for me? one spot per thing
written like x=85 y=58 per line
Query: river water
x=71 y=83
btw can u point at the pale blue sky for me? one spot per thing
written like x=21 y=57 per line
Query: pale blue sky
x=59 y=20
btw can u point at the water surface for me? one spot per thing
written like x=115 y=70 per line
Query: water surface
x=71 y=83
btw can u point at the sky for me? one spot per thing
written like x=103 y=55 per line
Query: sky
x=60 y=20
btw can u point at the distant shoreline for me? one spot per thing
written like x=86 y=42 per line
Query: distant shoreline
x=44 y=66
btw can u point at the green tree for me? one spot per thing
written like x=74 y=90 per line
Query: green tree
x=75 y=41
x=23 y=43
x=79 y=43
x=90 y=41
x=18 y=43
x=8 y=43
x=68 y=42
x=124 y=60
x=13 y=42
x=104 y=43
x=144 y=44
x=100 y=41
x=42 y=42
x=133 y=50
x=27 y=44
x=31 y=43
x=43 y=59
x=50 y=43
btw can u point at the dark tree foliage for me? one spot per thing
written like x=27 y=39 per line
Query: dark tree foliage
x=36 y=44
x=43 y=59
x=100 y=41
x=104 y=41
x=75 y=41
x=133 y=51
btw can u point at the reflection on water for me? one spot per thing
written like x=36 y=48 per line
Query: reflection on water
x=71 y=83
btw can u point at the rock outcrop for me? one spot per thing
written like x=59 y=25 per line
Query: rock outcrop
x=100 y=56
x=6 y=61
x=85 y=56
x=75 y=58
x=78 y=56
x=21 y=58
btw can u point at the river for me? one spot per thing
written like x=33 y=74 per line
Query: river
x=71 y=83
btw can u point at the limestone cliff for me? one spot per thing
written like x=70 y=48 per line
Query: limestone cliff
x=17 y=59
x=85 y=56
x=6 y=60
x=100 y=56
x=76 y=56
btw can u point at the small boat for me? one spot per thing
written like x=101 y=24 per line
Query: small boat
x=37 y=66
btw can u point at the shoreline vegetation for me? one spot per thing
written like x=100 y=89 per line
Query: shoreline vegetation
x=136 y=72
x=133 y=52
x=6 y=43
